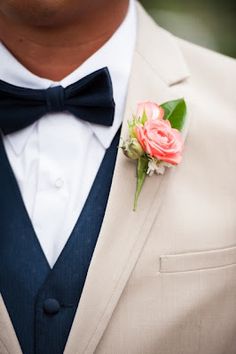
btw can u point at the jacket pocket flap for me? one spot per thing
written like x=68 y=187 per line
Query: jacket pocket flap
x=183 y=262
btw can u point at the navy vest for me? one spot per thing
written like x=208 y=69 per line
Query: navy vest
x=41 y=301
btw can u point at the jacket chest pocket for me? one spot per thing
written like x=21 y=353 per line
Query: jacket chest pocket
x=193 y=261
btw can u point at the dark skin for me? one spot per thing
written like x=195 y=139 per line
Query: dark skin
x=53 y=37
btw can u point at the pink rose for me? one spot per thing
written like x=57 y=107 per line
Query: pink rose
x=152 y=110
x=160 y=140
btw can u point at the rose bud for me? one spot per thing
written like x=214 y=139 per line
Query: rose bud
x=132 y=149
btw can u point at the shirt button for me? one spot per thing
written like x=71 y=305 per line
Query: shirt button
x=59 y=183
x=51 y=306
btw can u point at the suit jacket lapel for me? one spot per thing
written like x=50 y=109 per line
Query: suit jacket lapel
x=124 y=232
x=8 y=340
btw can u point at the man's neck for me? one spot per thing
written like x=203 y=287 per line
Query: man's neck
x=53 y=53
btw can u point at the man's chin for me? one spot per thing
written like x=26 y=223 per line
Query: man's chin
x=43 y=13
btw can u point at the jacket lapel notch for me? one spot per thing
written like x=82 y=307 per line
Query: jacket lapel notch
x=160 y=49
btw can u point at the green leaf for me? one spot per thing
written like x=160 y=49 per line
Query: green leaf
x=131 y=125
x=142 y=168
x=175 y=112
x=144 y=118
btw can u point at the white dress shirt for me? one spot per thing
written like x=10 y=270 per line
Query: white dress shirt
x=56 y=159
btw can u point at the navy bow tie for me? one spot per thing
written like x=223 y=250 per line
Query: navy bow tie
x=90 y=99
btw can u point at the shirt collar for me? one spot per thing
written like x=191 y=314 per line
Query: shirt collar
x=116 y=54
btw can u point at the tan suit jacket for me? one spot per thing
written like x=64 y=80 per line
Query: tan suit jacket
x=163 y=279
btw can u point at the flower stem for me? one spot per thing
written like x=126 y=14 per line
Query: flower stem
x=142 y=167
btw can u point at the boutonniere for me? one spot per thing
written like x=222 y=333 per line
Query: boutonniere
x=155 y=140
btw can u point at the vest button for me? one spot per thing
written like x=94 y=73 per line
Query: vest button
x=51 y=306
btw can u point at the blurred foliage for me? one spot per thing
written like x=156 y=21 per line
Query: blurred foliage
x=210 y=23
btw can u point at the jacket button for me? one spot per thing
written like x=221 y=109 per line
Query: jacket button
x=51 y=306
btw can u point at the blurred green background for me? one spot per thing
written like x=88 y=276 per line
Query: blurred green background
x=210 y=23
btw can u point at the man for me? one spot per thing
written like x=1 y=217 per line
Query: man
x=84 y=273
